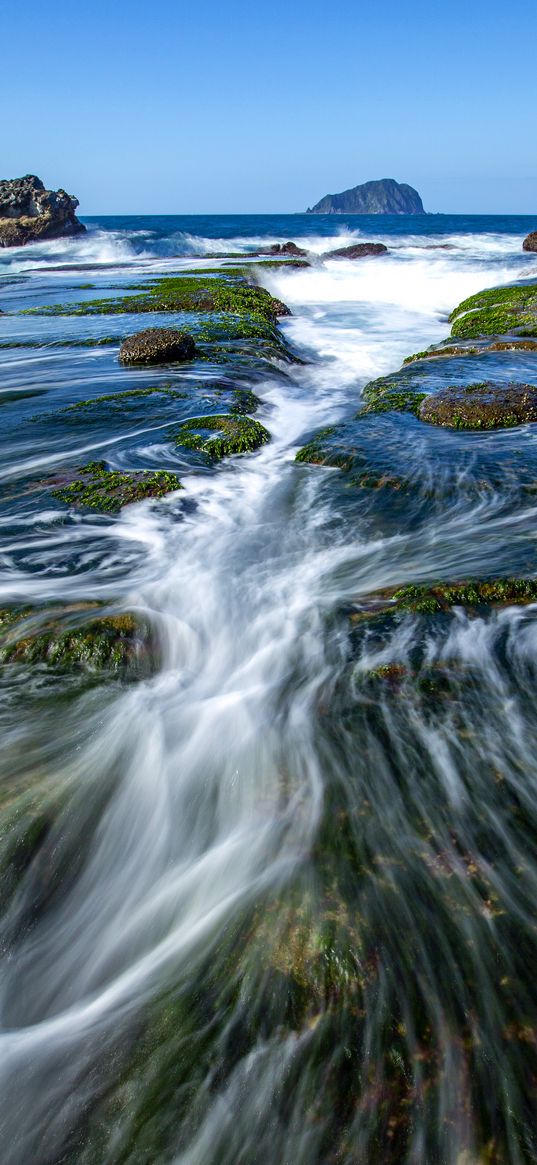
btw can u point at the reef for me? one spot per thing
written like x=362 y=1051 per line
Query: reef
x=98 y=488
x=29 y=213
x=157 y=346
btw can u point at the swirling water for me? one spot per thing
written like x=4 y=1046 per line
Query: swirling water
x=273 y=913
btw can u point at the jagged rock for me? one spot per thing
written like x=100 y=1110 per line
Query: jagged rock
x=357 y=251
x=383 y=197
x=481 y=406
x=284 y=249
x=530 y=242
x=29 y=213
x=157 y=346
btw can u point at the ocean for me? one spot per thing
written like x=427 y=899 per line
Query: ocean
x=272 y=898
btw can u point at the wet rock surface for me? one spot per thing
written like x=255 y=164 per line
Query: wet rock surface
x=157 y=346
x=481 y=406
x=530 y=242
x=357 y=251
x=29 y=213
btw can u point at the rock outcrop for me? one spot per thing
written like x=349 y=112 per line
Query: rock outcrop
x=383 y=197
x=157 y=346
x=29 y=213
x=530 y=242
x=481 y=406
x=357 y=251
x=284 y=249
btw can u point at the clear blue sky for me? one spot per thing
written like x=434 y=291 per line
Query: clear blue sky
x=160 y=106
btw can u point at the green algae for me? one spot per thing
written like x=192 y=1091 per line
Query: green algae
x=314 y=453
x=179 y=293
x=497 y=311
x=429 y=599
x=482 y=406
x=235 y=434
x=128 y=394
x=108 y=490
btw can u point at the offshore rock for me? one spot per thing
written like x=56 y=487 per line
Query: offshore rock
x=383 y=197
x=157 y=346
x=284 y=249
x=481 y=406
x=29 y=213
x=357 y=251
x=530 y=242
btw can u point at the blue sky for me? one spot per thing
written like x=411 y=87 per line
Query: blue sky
x=226 y=106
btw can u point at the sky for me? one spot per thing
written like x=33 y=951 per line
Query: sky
x=224 y=106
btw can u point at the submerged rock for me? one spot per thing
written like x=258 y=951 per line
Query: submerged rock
x=357 y=251
x=530 y=242
x=486 y=405
x=29 y=213
x=157 y=346
x=233 y=434
x=95 y=487
x=78 y=637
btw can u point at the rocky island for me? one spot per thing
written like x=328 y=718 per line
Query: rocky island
x=29 y=213
x=383 y=197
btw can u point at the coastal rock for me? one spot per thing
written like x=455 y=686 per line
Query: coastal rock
x=157 y=346
x=284 y=249
x=29 y=213
x=357 y=251
x=481 y=406
x=79 y=637
x=530 y=242
x=383 y=197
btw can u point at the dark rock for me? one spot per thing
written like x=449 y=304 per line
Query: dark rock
x=530 y=242
x=481 y=406
x=383 y=197
x=29 y=213
x=283 y=249
x=357 y=251
x=157 y=346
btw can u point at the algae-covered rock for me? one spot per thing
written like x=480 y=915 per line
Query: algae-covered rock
x=77 y=637
x=98 y=488
x=357 y=251
x=486 y=405
x=233 y=434
x=497 y=312
x=157 y=346
x=530 y=242
x=184 y=293
x=437 y=597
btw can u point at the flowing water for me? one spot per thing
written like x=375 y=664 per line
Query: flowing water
x=273 y=912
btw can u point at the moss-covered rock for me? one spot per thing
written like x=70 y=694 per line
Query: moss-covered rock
x=157 y=346
x=530 y=242
x=497 y=312
x=450 y=350
x=184 y=293
x=390 y=394
x=357 y=251
x=485 y=405
x=77 y=637
x=98 y=488
x=233 y=434
x=433 y=598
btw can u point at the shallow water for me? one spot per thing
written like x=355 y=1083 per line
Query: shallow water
x=279 y=911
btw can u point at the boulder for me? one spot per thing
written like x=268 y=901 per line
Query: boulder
x=157 y=346
x=487 y=405
x=357 y=251
x=530 y=242
x=283 y=249
x=29 y=213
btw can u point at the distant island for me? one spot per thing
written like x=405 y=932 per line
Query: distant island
x=383 y=197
